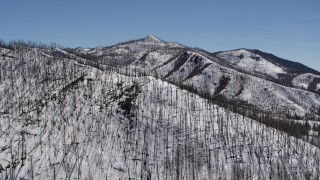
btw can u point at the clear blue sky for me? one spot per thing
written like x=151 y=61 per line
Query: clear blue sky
x=286 y=28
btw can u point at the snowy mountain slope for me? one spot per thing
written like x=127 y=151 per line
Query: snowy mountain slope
x=240 y=76
x=270 y=67
x=64 y=120
x=307 y=81
x=252 y=63
x=208 y=78
x=290 y=66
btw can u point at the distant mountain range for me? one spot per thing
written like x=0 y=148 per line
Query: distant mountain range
x=151 y=109
x=248 y=76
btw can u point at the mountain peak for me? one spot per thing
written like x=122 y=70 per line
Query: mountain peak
x=152 y=38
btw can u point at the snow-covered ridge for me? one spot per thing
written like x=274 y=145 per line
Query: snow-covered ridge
x=144 y=44
x=211 y=76
x=212 y=80
x=62 y=120
x=208 y=75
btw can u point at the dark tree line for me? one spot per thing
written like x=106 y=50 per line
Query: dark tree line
x=30 y=44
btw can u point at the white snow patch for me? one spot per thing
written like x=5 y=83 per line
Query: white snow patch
x=304 y=80
x=251 y=62
x=246 y=95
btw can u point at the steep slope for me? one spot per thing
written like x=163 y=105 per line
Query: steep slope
x=64 y=120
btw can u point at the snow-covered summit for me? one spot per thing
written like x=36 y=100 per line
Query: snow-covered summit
x=152 y=38
x=251 y=62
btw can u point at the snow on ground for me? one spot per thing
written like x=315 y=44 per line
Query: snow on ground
x=60 y=120
x=250 y=62
x=207 y=77
x=303 y=80
x=148 y=61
